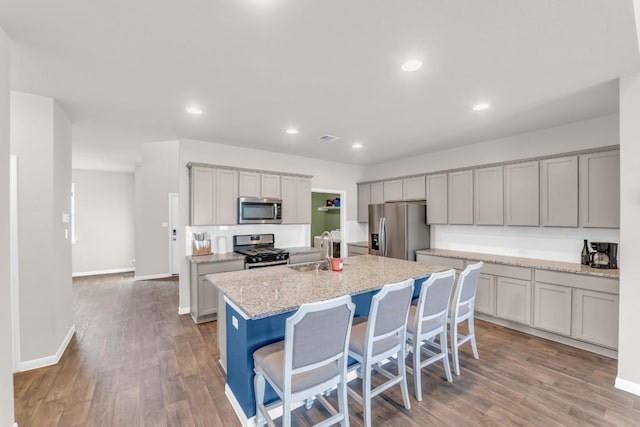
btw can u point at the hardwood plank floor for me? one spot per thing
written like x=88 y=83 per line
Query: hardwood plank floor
x=135 y=362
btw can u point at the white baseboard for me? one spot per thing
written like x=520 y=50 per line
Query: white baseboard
x=98 y=272
x=628 y=386
x=184 y=310
x=49 y=360
x=153 y=276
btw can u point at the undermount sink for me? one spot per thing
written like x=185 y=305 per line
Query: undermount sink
x=311 y=266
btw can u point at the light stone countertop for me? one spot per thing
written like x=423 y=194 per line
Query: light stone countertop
x=541 y=264
x=264 y=292
x=232 y=256
x=359 y=244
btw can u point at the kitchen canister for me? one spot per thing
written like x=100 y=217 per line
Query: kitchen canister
x=221 y=244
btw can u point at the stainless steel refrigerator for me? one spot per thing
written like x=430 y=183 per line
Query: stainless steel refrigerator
x=398 y=229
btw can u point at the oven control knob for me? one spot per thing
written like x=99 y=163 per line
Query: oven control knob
x=278 y=257
x=252 y=259
x=259 y=259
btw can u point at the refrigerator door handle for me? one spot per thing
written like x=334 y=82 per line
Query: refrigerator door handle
x=384 y=236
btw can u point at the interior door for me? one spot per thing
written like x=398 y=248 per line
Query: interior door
x=396 y=230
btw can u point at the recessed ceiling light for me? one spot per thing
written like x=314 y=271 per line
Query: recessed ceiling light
x=194 y=110
x=480 y=107
x=356 y=145
x=411 y=65
x=292 y=131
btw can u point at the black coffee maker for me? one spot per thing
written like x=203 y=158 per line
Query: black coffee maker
x=604 y=255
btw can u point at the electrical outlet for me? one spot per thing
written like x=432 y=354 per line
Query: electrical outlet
x=234 y=322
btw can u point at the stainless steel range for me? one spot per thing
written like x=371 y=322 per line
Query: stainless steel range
x=259 y=250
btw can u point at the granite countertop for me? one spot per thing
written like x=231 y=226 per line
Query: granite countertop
x=232 y=256
x=264 y=292
x=541 y=264
x=360 y=244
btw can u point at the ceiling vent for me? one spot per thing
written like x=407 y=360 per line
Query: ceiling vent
x=328 y=138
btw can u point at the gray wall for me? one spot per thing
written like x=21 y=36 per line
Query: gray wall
x=6 y=356
x=41 y=140
x=155 y=178
x=629 y=345
x=104 y=221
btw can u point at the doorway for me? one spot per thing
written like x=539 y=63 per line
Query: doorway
x=174 y=226
x=326 y=216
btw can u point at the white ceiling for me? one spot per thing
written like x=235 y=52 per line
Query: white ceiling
x=125 y=70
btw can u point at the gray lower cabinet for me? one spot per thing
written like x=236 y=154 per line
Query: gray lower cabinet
x=521 y=189
x=488 y=195
x=304 y=257
x=486 y=295
x=356 y=250
x=364 y=198
x=513 y=299
x=204 y=296
x=552 y=308
x=595 y=317
x=559 y=192
x=437 y=199
x=461 y=197
x=600 y=189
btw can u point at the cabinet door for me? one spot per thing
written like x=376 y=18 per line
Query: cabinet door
x=486 y=295
x=552 y=308
x=437 y=199
x=461 y=197
x=413 y=188
x=270 y=185
x=392 y=190
x=226 y=196
x=522 y=202
x=248 y=184
x=595 y=317
x=203 y=207
x=488 y=196
x=303 y=201
x=600 y=190
x=377 y=193
x=513 y=299
x=207 y=297
x=559 y=192
x=364 y=198
x=288 y=186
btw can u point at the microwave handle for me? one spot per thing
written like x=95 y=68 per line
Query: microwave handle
x=275 y=211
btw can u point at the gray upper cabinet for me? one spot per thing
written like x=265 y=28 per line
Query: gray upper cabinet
x=270 y=185
x=248 y=184
x=521 y=194
x=461 y=197
x=413 y=188
x=296 y=200
x=559 y=192
x=392 y=190
x=377 y=193
x=364 y=198
x=489 y=196
x=600 y=189
x=214 y=194
x=437 y=199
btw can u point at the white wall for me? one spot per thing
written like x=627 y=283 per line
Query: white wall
x=41 y=140
x=155 y=178
x=104 y=221
x=561 y=244
x=629 y=345
x=326 y=176
x=6 y=355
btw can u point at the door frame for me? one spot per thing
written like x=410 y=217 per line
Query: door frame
x=172 y=196
x=343 y=214
x=14 y=264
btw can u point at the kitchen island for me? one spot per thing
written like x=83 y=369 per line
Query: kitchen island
x=259 y=301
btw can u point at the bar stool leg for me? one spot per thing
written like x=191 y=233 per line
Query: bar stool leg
x=366 y=395
x=402 y=370
x=417 y=370
x=445 y=359
x=472 y=332
x=342 y=403
x=454 y=347
x=259 y=384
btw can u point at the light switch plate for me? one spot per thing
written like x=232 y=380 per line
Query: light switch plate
x=234 y=322
x=165 y=224
x=65 y=218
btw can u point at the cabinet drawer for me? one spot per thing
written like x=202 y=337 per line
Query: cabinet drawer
x=357 y=250
x=305 y=257
x=507 y=271
x=581 y=281
x=220 y=267
x=437 y=260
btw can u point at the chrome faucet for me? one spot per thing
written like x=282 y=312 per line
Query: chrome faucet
x=330 y=250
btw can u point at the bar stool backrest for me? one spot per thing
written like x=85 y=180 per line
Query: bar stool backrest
x=436 y=294
x=390 y=308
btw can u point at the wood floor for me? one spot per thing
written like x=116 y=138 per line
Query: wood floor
x=135 y=362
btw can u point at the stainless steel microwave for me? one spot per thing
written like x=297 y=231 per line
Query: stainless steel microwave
x=254 y=210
